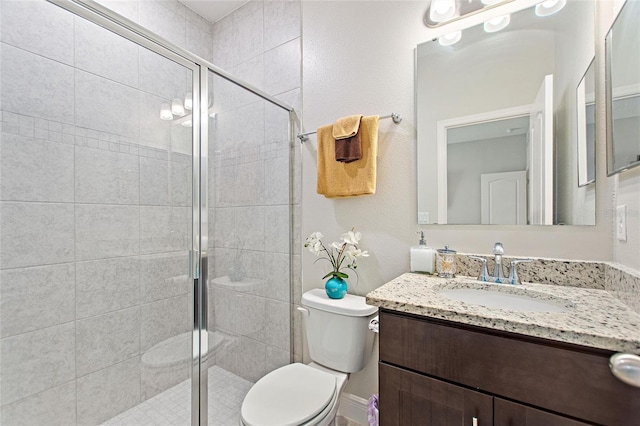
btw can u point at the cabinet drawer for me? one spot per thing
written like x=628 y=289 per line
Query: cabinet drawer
x=408 y=399
x=558 y=377
x=507 y=413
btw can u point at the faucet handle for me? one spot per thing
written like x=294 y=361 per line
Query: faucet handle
x=483 y=272
x=513 y=272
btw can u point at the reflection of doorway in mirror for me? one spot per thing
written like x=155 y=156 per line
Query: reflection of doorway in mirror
x=472 y=146
x=506 y=140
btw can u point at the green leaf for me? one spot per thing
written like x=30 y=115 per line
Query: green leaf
x=336 y=274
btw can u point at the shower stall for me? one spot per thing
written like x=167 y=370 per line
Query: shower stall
x=145 y=225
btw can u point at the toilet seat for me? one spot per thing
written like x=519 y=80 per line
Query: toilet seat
x=293 y=395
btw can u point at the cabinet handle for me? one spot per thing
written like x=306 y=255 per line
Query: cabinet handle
x=475 y=421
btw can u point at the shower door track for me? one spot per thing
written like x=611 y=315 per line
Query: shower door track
x=198 y=256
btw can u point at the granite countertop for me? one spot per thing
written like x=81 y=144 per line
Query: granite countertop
x=593 y=318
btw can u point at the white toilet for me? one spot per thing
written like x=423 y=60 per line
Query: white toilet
x=339 y=343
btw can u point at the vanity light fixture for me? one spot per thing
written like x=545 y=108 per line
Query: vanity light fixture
x=177 y=108
x=188 y=102
x=165 y=112
x=497 y=24
x=549 y=7
x=450 y=39
x=442 y=10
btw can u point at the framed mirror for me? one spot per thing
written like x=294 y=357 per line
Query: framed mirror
x=623 y=90
x=586 y=126
x=497 y=139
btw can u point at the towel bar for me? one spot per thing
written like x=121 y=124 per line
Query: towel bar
x=395 y=117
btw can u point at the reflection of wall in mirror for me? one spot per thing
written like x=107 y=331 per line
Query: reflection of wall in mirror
x=467 y=161
x=574 y=52
x=626 y=131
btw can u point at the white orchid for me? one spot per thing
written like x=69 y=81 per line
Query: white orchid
x=338 y=251
x=351 y=237
x=352 y=253
x=314 y=244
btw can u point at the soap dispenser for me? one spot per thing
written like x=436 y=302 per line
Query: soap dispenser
x=423 y=258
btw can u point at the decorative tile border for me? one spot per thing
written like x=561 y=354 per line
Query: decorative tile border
x=53 y=131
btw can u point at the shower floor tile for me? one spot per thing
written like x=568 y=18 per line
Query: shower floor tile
x=173 y=406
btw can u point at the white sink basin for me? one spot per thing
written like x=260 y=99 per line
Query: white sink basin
x=503 y=300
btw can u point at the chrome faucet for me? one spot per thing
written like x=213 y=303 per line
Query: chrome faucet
x=498 y=273
x=498 y=251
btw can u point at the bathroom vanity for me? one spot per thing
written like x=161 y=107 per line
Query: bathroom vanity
x=446 y=362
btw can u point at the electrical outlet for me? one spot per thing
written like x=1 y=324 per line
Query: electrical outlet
x=621 y=223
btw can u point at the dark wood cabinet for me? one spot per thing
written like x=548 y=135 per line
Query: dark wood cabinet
x=507 y=413
x=428 y=364
x=414 y=399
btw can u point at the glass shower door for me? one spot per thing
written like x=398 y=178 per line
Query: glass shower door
x=96 y=223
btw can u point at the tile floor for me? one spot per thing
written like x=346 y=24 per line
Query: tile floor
x=173 y=406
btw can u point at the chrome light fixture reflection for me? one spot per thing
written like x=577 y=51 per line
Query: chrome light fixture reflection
x=550 y=7
x=441 y=10
x=497 y=24
x=165 y=112
x=450 y=39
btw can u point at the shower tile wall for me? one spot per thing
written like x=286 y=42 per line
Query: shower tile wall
x=95 y=196
x=249 y=198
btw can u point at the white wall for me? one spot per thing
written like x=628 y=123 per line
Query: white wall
x=358 y=58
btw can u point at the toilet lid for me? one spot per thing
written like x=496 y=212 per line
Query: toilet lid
x=288 y=396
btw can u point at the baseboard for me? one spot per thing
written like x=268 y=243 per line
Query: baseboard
x=354 y=408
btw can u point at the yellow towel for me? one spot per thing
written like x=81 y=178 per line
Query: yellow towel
x=337 y=179
x=346 y=127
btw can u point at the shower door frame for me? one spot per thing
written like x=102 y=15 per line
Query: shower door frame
x=198 y=253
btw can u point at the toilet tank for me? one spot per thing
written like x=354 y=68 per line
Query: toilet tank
x=337 y=330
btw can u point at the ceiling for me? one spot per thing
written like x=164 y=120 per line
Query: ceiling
x=213 y=10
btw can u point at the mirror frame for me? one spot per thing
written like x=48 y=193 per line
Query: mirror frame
x=583 y=142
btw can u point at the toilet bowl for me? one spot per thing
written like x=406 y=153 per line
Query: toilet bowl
x=339 y=343
x=296 y=394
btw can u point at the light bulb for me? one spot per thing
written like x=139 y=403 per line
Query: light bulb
x=441 y=10
x=550 y=7
x=165 y=112
x=177 y=108
x=186 y=123
x=450 y=39
x=212 y=115
x=188 y=102
x=497 y=24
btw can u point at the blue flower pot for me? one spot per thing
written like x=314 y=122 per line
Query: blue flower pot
x=336 y=288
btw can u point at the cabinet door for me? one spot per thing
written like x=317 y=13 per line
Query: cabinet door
x=408 y=398
x=509 y=413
